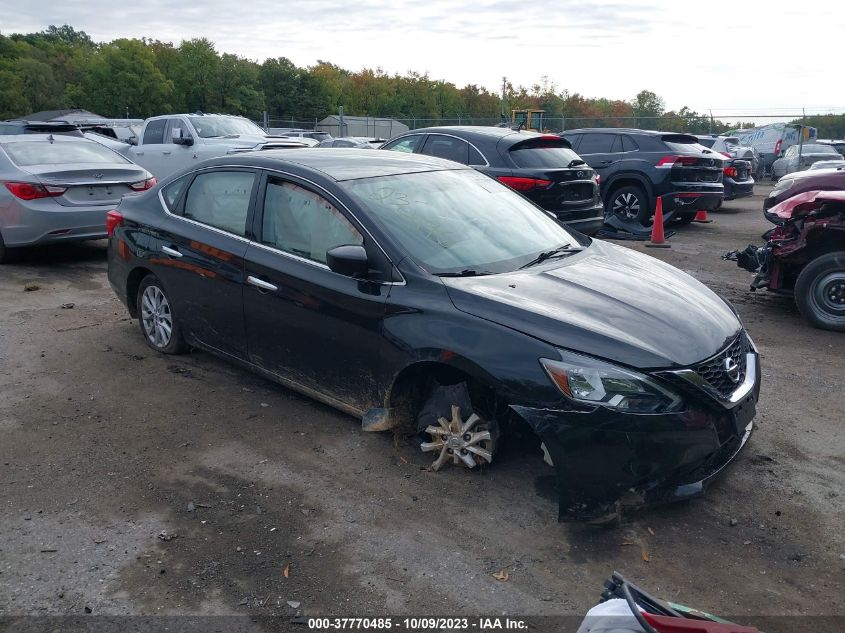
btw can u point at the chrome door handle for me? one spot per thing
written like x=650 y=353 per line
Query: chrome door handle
x=261 y=284
x=170 y=251
x=166 y=153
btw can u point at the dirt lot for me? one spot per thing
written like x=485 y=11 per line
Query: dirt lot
x=134 y=483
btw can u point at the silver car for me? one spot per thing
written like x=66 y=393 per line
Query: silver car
x=800 y=157
x=59 y=188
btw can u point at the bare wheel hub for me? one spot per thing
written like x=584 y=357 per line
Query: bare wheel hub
x=468 y=443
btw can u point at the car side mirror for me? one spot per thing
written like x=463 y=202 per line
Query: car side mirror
x=350 y=260
x=178 y=139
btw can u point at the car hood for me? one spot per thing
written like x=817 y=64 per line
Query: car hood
x=609 y=302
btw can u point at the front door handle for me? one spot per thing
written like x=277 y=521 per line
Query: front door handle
x=606 y=162
x=261 y=284
x=171 y=251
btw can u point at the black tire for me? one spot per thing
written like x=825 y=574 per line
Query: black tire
x=155 y=313
x=629 y=203
x=447 y=401
x=717 y=207
x=820 y=292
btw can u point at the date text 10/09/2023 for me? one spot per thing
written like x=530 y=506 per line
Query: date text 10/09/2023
x=480 y=624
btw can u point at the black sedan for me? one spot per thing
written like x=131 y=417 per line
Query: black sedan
x=410 y=291
x=542 y=167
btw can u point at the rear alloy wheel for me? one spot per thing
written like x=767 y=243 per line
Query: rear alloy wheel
x=629 y=204
x=468 y=442
x=820 y=292
x=155 y=315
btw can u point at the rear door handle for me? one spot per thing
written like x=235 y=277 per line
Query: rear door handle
x=606 y=162
x=170 y=251
x=261 y=284
x=167 y=153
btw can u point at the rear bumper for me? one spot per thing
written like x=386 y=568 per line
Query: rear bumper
x=587 y=220
x=681 y=201
x=50 y=222
x=738 y=189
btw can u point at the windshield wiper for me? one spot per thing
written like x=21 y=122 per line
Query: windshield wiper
x=564 y=249
x=469 y=272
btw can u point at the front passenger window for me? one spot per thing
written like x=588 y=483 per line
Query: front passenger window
x=303 y=223
x=221 y=199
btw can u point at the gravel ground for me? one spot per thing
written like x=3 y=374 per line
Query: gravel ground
x=133 y=483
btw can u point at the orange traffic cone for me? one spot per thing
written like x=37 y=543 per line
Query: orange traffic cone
x=701 y=216
x=658 y=240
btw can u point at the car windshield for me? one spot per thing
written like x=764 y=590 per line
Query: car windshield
x=459 y=221
x=214 y=126
x=44 y=152
x=544 y=153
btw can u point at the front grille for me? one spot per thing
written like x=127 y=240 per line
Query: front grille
x=714 y=371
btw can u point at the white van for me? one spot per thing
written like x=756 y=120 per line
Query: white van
x=772 y=140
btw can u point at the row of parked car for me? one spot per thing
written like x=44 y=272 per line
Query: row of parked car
x=586 y=178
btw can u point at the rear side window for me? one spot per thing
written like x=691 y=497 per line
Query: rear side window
x=628 y=144
x=542 y=154
x=409 y=144
x=221 y=199
x=596 y=143
x=173 y=191
x=708 y=142
x=154 y=133
x=447 y=147
x=43 y=152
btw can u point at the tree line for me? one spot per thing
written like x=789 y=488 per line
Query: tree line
x=63 y=68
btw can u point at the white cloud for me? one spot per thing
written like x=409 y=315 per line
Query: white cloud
x=721 y=54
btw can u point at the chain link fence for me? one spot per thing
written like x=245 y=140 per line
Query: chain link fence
x=380 y=127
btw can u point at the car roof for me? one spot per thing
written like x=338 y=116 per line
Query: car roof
x=342 y=163
x=28 y=138
x=623 y=130
x=478 y=131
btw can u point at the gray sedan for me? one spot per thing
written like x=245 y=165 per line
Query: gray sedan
x=799 y=158
x=59 y=188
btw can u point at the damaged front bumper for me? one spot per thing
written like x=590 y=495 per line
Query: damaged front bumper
x=610 y=462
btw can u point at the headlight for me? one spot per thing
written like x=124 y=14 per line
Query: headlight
x=782 y=185
x=591 y=381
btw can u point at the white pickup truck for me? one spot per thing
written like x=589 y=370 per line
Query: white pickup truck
x=172 y=142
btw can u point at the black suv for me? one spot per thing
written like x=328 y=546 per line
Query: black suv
x=637 y=166
x=542 y=167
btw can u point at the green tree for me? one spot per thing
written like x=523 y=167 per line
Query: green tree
x=647 y=107
x=196 y=75
x=123 y=75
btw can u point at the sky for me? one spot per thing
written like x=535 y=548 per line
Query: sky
x=734 y=57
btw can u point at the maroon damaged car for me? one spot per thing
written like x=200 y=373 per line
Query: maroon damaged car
x=801 y=181
x=804 y=256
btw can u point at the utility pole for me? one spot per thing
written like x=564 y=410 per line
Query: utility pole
x=504 y=94
x=801 y=137
x=711 y=121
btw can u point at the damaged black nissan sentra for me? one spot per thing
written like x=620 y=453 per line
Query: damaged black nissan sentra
x=414 y=292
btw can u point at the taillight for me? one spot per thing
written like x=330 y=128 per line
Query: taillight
x=667 y=162
x=524 y=184
x=113 y=220
x=32 y=191
x=597 y=178
x=143 y=185
x=777 y=147
x=730 y=172
x=726 y=154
